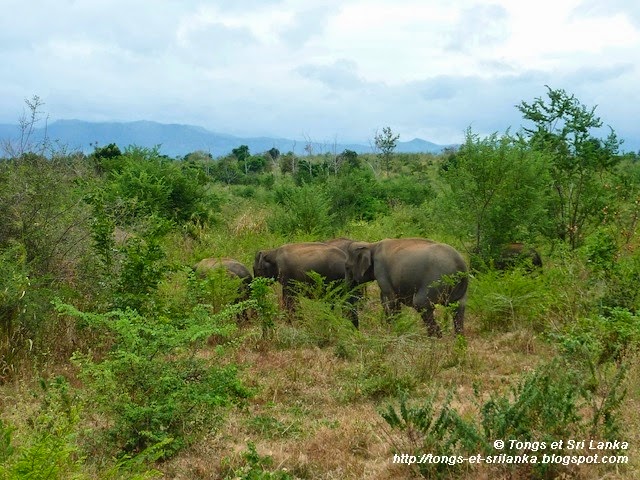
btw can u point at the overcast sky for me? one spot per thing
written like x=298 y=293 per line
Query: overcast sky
x=323 y=70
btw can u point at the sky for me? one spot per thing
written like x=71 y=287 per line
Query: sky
x=327 y=71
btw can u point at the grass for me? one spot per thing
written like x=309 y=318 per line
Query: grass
x=319 y=385
x=315 y=412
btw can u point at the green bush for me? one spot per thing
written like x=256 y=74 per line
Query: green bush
x=600 y=348
x=509 y=300
x=265 y=304
x=544 y=407
x=356 y=195
x=256 y=467
x=151 y=385
x=142 y=183
x=407 y=190
x=301 y=210
x=50 y=450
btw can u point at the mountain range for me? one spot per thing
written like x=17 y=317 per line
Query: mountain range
x=177 y=140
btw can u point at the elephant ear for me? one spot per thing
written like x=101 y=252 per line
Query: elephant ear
x=264 y=264
x=363 y=262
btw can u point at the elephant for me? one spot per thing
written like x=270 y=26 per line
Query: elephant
x=292 y=262
x=233 y=268
x=342 y=243
x=518 y=254
x=412 y=271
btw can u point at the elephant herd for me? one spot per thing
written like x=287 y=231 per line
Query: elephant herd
x=412 y=271
x=416 y=272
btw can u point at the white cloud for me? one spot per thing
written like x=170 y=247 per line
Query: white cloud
x=427 y=68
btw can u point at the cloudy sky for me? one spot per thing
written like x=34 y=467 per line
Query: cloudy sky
x=323 y=70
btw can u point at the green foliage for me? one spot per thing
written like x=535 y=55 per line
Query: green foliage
x=544 y=407
x=141 y=182
x=431 y=429
x=622 y=283
x=256 y=467
x=494 y=193
x=40 y=208
x=308 y=171
x=510 y=300
x=265 y=304
x=616 y=269
x=413 y=190
x=143 y=267
x=386 y=143
x=50 y=451
x=151 y=385
x=600 y=348
x=218 y=288
x=301 y=210
x=356 y=195
x=580 y=161
x=14 y=282
x=325 y=310
x=105 y=158
x=350 y=159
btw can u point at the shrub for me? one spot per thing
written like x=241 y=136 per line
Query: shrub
x=600 y=348
x=50 y=450
x=544 y=407
x=144 y=183
x=509 y=300
x=256 y=467
x=356 y=195
x=151 y=385
x=302 y=210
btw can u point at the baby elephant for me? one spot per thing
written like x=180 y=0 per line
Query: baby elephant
x=233 y=268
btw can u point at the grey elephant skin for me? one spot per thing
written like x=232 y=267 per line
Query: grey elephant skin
x=518 y=255
x=233 y=267
x=292 y=263
x=342 y=243
x=412 y=271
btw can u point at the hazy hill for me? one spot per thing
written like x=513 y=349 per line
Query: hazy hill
x=178 y=140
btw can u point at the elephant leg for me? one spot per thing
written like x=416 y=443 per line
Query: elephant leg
x=422 y=303
x=429 y=319
x=458 y=319
x=352 y=310
x=288 y=298
x=391 y=305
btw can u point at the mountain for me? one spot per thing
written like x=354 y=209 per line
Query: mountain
x=178 y=140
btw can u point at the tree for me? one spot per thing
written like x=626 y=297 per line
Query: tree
x=274 y=155
x=242 y=155
x=562 y=129
x=493 y=192
x=350 y=158
x=27 y=125
x=103 y=158
x=386 y=143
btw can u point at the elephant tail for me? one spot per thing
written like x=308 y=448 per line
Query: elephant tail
x=459 y=291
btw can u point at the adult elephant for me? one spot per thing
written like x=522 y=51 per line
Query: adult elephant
x=413 y=271
x=293 y=262
x=518 y=255
x=234 y=269
x=341 y=242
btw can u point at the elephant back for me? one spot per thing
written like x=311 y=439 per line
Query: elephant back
x=296 y=260
x=231 y=266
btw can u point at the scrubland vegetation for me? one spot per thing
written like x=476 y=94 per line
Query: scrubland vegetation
x=118 y=362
